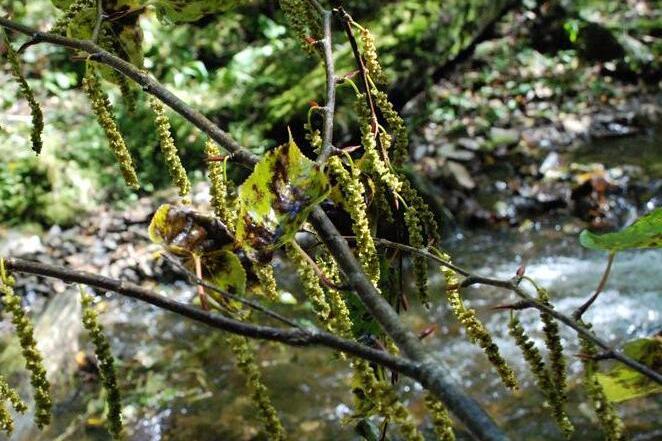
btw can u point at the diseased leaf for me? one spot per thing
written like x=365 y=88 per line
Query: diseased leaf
x=276 y=199
x=224 y=270
x=623 y=383
x=645 y=232
x=189 y=234
x=182 y=11
x=185 y=232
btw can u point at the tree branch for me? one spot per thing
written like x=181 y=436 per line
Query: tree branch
x=288 y=336
x=148 y=84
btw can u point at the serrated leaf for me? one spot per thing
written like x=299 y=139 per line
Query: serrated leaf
x=185 y=232
x=623 y=383
x=183 y=11
x=276 y=199
x=645 y=232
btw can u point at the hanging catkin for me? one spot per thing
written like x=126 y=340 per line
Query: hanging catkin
x=103 y=111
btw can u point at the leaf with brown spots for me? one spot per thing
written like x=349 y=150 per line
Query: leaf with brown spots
x=276 y=199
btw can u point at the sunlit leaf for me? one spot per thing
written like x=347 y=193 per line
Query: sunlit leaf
x=181 y=11
x=645 y=232
x=185 y=232
x=276 y=199
x=623 y=383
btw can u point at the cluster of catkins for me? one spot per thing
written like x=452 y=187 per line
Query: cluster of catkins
x=33 y=359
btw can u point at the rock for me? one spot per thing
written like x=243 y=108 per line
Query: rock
x=499 y=137
x=461 y=174
x=18 y=245
x=552 y=161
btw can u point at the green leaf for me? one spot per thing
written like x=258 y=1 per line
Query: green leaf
x=185 y=232
x=645 y=232
x=182 y=11
x=276 y=199
x=224 y=270
x=623 y=383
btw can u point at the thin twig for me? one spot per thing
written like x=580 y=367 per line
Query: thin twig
x=568 y=321
x=99 y=21
x=329 y=108
x=363 y=73
x=577 y=315
x=244 y=301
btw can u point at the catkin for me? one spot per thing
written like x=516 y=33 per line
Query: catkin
x=8 y=394
x=61 y=24
x=353 y=191
x=103 y=110
x=168 y=148
x=610 y=421
x=314 y=137
x=371 y=155
x=553 y=342
x=411 y=196
x=541 y=374
x=265 y=274
x=26 y=92
x=311 y=283
x=304 y=21
x=443 y=425
x=372 y=396
x=106 y=364
x=220 y=201
x=247 y=363
x=395 y=124
x=340 y=320
x=33 y=359
x=370 y=57
x=415 y=231
x=475 y=328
